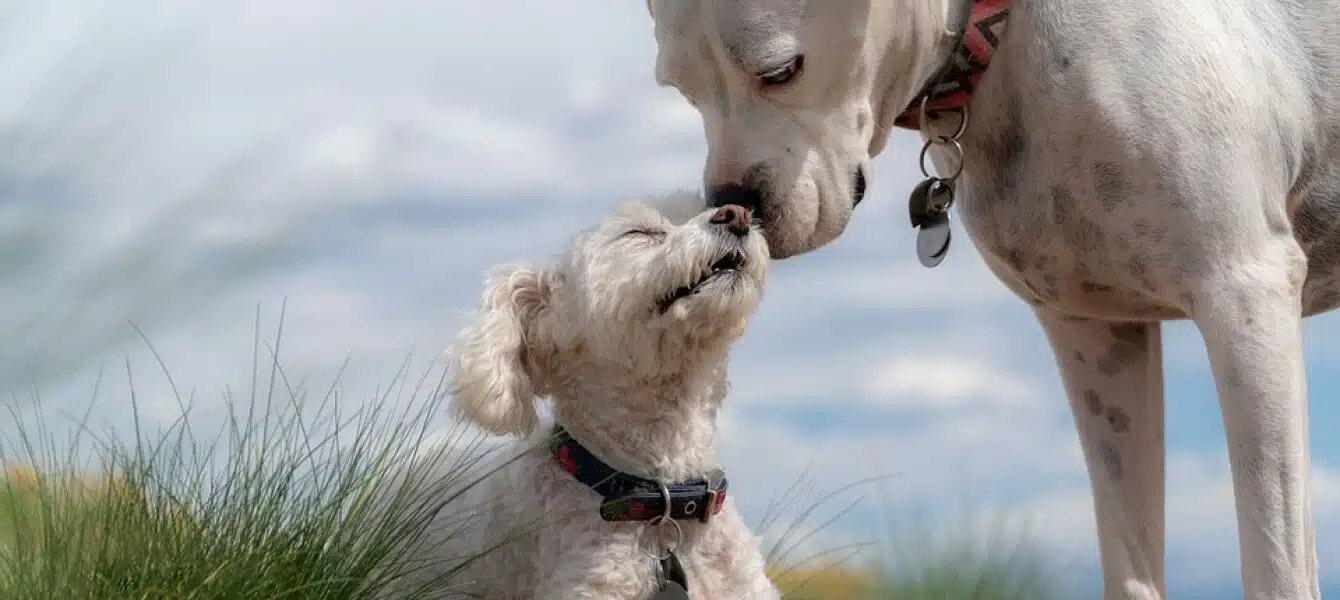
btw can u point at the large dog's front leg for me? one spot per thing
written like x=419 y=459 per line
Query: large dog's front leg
x=1251 y=320
x=1113 y=377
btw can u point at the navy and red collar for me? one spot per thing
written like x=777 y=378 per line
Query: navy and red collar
x=632 y=498
x=952 y=86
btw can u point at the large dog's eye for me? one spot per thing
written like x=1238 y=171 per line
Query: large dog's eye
x=784 y=74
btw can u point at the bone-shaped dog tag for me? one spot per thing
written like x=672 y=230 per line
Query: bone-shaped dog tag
x=674 y=583
x=933 y=241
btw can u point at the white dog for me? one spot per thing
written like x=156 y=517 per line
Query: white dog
x=1123 y=162
x=628 y=334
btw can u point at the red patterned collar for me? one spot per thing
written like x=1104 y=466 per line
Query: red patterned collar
x=632 y=498
x=952 y=87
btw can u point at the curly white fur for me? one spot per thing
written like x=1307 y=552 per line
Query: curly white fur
x=637 y=385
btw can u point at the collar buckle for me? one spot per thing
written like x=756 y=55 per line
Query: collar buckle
x=715 y=497
x=711 y=505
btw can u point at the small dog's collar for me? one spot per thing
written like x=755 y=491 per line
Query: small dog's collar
x=632 y=498
x=952 y=86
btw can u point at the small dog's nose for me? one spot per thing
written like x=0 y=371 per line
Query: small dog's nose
x=734 y=217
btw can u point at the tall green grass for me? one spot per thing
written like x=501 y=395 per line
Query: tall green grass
x=298 y=497
x=908 y=558
x=972 y=559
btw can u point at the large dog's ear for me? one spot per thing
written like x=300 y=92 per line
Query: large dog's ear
x=501 y=358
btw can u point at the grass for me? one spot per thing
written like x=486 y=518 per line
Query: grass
x=294 y=499
x=967 y=564
x=947 y=571
x=973 y=559
x=828 y=583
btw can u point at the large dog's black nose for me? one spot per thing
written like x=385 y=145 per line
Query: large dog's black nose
x=746 y=196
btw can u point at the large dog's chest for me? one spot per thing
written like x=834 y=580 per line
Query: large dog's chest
x=1068 y=247
x=1071 y=262
x=1099 y=187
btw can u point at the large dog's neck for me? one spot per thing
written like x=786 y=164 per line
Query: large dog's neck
x=914 y=39
x=663 y=428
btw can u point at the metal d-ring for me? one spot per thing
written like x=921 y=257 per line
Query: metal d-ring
x=663 y=551
x=961 y=110
x=958 y=157
x=665 y=496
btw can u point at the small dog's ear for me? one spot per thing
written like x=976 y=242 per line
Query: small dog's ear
x=498 y=360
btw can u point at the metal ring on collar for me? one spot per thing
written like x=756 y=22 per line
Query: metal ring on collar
x=669 y=504
x=662 y=551
x=957 y=152
x=962 y=112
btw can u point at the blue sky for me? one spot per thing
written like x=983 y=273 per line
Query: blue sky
x=176 y=165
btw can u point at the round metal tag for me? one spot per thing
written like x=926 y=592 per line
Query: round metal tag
x=933 y=242
x=671 y=591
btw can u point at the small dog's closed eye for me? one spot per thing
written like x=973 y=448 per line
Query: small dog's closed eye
x=627 y=334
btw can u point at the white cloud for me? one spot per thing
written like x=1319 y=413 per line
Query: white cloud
x=947 y=383
x=890 y=281
x=878 y=358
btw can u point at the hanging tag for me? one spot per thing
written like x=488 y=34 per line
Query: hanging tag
x=671 y=591
x=674 y=582
x=933 y=241
x=929 y=198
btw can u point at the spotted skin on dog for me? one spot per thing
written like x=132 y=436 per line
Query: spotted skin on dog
x=1126 y=162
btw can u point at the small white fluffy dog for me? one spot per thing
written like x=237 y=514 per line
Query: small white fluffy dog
x=628 y=334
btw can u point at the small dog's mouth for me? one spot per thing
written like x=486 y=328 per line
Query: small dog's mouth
x=728 y=265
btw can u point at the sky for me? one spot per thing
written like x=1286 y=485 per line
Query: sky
x=186 y=167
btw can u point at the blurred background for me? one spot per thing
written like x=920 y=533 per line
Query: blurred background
x=184 y=167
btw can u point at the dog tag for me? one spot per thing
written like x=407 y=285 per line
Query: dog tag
x=933 y=241
x=930 y=198
x=928 y=207
x=674 y=583
x=671 y=591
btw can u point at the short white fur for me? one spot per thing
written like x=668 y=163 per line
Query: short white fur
x=1127 y=162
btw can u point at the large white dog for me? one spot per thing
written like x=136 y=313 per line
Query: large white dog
x=1117 y=162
